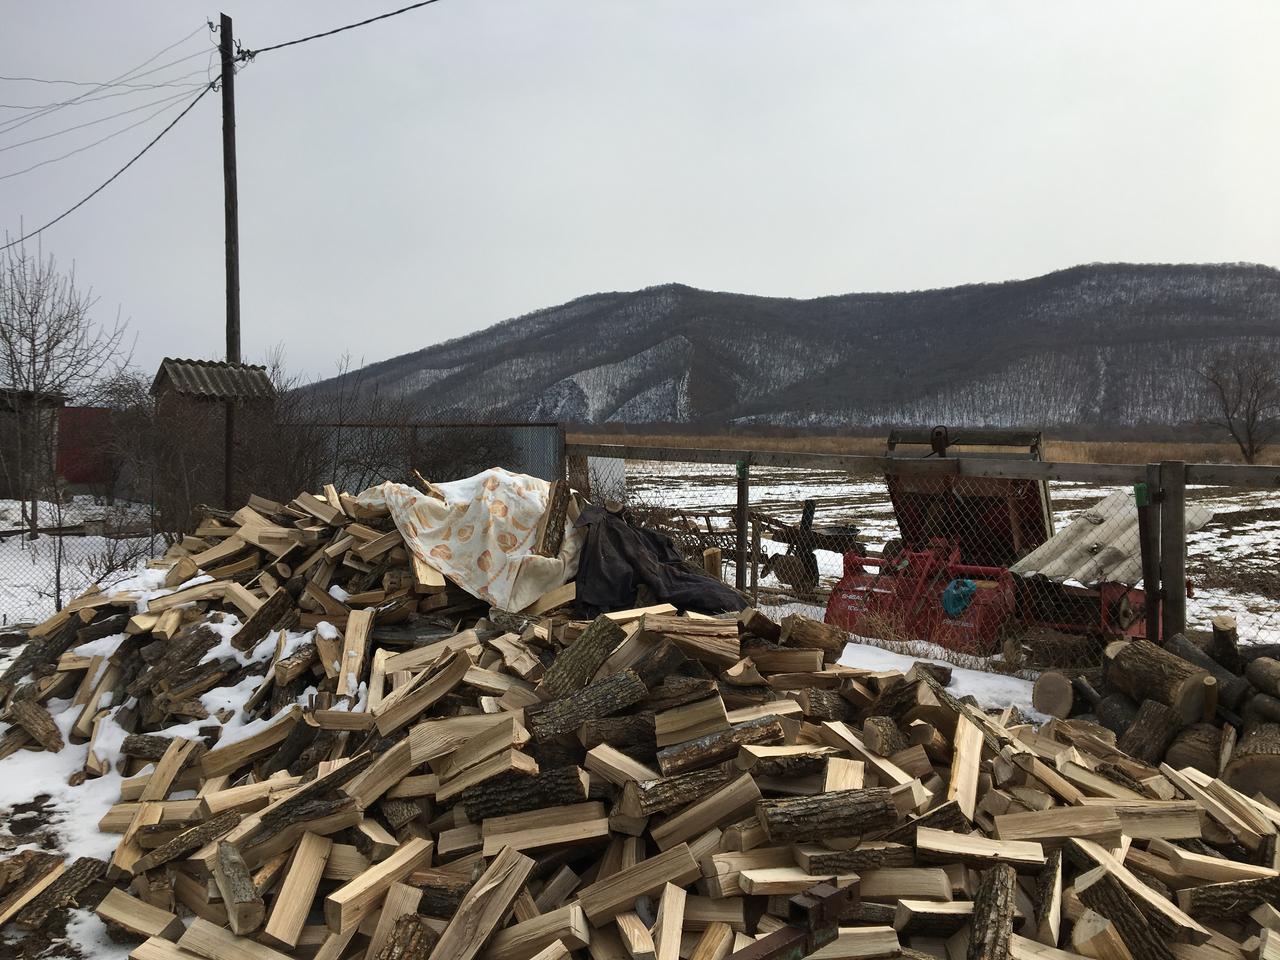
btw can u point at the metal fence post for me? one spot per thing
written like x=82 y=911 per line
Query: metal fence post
x=1173 y=546
x=755 y=561
x=1149 y=542
x=743 y=508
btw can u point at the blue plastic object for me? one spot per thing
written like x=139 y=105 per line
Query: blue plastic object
x=957 y=597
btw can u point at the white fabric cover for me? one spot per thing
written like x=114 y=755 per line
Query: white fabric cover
x=480 y=533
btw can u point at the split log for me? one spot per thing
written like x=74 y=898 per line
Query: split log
x=671 y=793
x=715 y=747
x=1151 y=732
x=1223 y=643
x=1053 y=694
x=1255 y=764
x=1229 y=901
x=840 y=813
x=883 y=736
x=244 y=906
x=1232 y=688
x=260 y=622
x=514 y=793
x=801 y=631
x=599 y=699
x=575 y=666
x=756 y=623
x=867 y=855
x=634 y=734
x=1146 y=672
x=1196 y=746
x=61 y=893
x=442 y=891
x=412 y=938
x=1264 y=673
x=484 y=906
x=35 y=719
x=189 y=840
x=820 y=705
x=1103 y=893
x=991 y=928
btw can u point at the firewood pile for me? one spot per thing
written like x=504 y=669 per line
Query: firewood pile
x=385 y=771
x=1211 y=703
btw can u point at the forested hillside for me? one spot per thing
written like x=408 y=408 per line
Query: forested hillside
x=1107 y=344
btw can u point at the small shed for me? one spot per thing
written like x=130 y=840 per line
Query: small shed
x=203 y=381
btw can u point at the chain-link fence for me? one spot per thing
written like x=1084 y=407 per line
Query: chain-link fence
x=56 y=544
x=1013 y=572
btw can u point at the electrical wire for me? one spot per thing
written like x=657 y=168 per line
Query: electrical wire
x=250 y=54
x=137 y=156
x=133 y=89
x=87 y=146
x=89 y=123
x=128 y=75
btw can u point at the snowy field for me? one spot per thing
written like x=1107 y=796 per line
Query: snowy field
x=1233 y=562
x=28 y=581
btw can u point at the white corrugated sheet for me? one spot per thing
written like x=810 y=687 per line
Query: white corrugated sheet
x=1100 y=545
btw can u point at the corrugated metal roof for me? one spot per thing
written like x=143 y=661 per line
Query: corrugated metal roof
x=215 y=379
x=1100 y=545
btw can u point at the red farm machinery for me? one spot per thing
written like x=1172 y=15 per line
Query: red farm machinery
x=952 y=577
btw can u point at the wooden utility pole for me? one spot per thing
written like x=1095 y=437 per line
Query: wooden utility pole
x=230 y=204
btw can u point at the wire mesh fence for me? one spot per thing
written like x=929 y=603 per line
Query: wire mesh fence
x=1009 y=573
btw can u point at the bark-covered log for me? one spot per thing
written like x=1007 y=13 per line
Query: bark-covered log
x=838 y=813
x=820 y=706
x=1255 y=764
x=991 y=928
x=1233 y=689
x=755 y=622
x=61 y=893
x=575 y=666
x=664 y=659
x=883 y=736
x=600 y=699
x=633 y=734
x=873 y=856
x=1229 y=901
x=1146 y=672
x=1264 y=673
x=144 y=746
x=442 y=891
x=671 y=793
x=1053 y=694
x=190 y=839
x=945 y=816
x=1262 y=706
x=413 y=938
x=1105 y=895
x=716 y=747
x=240 y=898
x=1151 y=732
x=1196 y=746
x=1116 y=712
x=512 y=793
x=801 y=631
x=672 y=692
x=46 y=649
x=35 y=719
x=1224 y=644
x=260 y=622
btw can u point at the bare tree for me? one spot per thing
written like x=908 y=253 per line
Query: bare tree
x=1244 y=388
x=50 y=350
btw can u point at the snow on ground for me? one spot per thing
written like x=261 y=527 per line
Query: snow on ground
x=74 y=511
x=991 y=690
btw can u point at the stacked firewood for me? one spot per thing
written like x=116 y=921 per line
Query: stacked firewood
x=373 y=772
x=1205 y=701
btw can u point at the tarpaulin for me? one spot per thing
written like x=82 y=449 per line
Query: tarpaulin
x=618 y=558
x=480 y=533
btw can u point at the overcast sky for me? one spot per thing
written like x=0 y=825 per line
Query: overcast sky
x=424 y=177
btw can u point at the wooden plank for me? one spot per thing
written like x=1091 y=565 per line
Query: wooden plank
x=293 y=902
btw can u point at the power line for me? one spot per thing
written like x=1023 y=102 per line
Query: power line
x=108 y=83
x=87 y=146
x=154 y=140
x=89 y=123
x=250 y=54
x=133 y=88
x=132 y=74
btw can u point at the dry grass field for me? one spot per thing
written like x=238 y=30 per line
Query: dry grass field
x=1073 y=451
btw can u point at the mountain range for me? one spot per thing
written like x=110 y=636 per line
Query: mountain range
x=1097 y=344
